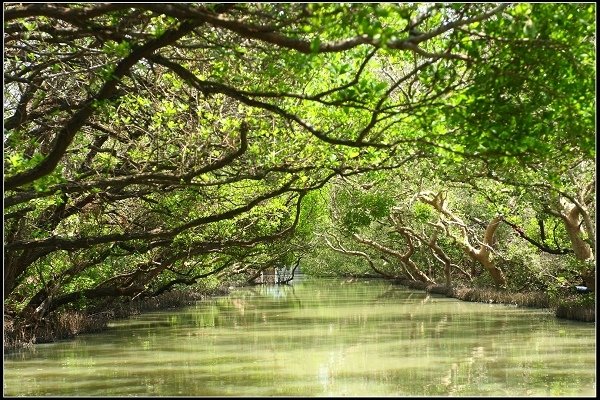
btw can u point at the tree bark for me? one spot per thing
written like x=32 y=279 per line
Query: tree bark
x=359 y=254
x=404 y=258
x=483 y=254
x=571 y=217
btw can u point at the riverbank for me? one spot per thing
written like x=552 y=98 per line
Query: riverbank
x=572 y=308
x=68 y=324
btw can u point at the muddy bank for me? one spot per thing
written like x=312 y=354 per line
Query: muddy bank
x=578 y=308
x=573 y=310
x=68 y=324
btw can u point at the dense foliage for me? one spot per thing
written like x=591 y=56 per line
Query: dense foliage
x=150 y=146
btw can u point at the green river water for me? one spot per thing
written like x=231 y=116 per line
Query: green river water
x=318 y=337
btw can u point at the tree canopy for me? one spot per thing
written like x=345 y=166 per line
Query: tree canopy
x=162 y=144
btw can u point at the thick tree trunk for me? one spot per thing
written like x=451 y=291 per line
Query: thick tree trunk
x=484 y=254
x=571 y=217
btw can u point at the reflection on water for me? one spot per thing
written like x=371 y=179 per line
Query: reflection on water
x=319 y=338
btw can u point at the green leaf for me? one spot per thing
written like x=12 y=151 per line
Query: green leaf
x=315 y=45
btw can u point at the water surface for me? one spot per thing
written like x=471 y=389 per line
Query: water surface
x=319 y=338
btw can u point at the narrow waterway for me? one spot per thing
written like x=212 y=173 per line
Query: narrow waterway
x=319 y=337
